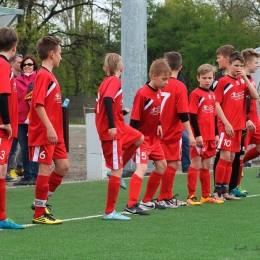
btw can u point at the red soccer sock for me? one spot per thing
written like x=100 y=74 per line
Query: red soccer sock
x=2 y=199
x=128 y=153
x=152 y=186
x=167 y=183
x=251 y=154
x=134 y=190
x=240 y=173
x=112 y=193
x=228 y=173
x=192 y=178
x=54 y=181
x=41 y=194
x=205 y=182
x=220 y=171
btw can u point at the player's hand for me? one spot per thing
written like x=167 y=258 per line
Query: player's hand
x=51 y=135
x=242 y=73
x=112 y=132
x=192 y=140
x=216 y=140
x=199 y=141
x=8 y=130
x=159 y=131
x=250 y=125
x=127 y=110
x=229 y=129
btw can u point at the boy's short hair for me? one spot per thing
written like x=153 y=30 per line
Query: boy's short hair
x=160 y=67
x=249 y=53
x=8 y=38
x=236 y=55
x=113 y=62
x=205 y=68
x=47 y=44
x=174 y=59
x=225 y=50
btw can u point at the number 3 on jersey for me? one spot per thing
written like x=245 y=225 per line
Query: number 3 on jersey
x=165 y=96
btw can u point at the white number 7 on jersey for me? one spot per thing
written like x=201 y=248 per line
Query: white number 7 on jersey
x=165 y=96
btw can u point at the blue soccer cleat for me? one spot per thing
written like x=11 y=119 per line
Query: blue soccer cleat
x=115 y=216
x=9 y=224
x=122 y=182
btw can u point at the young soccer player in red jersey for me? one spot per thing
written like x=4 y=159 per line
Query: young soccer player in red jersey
x=253 y=125
x=145 y=117
x=115 y=136
x=174 y=118
x=230 y=95
x=203 y=120
x=45 y=133
x=8 y=116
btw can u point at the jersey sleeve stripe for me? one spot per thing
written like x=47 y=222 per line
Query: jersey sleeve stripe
x=227 y=88
x=201 y=100
x=148 y=104
x=214 y=85
x=118 y=93
x=51 y=88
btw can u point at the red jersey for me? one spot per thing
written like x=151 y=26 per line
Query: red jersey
x=146 y=109
x=46 y=92
x=253 y=114
x=8 y=86
x=110 y=87
x=174 y=102
x=231 y=94
x=202 y=103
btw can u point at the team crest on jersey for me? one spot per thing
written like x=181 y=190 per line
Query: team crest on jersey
x=14 y=87
x=158 y=96
x=210 y=97
x=208 y=109
x=237 y=82
x=237 y=95
x=57 y=98
x=155 y=110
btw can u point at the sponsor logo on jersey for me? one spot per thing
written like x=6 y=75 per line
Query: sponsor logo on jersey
x=155 y=110
x=237 y=95
x=208 y=109
x=57 y=98
x=242 y=81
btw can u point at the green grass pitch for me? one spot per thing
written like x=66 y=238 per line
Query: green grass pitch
x=212 y=232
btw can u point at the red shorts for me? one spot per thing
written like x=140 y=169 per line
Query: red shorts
x=207 y=151
x=252 y=137
x=172 y=152
x=130 y=136
x=46 y=153
x=5 y=147
x=112 y=151
x=149 y=152
x=232 y=144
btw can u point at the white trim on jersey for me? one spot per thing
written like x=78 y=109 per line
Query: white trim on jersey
x=115 y=156
x=215 y=83
x=221 y=137
x=12 y=75
x=52 y=87
x=118 y=93
x=137 y=156
x=149 y=104
x=202 y=99
x=36 y=153
x=228 y=88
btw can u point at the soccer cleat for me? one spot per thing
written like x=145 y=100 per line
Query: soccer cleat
x=13 y=174
x=47 y=208
x=177 y=202
x=167 y=204
x=115 y=216
x=218 y=196
x=150 y=205
x=228 y=196
x=135 y=209
x=122 y=182
x=8 y=178
x=237 y=193
x=192 y=200
x=241 y=189
x=9 y=224
x=211 y=200
x=47 y=219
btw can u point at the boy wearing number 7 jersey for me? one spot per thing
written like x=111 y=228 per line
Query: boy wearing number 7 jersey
x=174 y=117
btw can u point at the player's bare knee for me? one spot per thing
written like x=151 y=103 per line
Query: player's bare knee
x=140 y=141
x=160 y=166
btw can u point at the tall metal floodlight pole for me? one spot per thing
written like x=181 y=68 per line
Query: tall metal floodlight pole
x=133 y=47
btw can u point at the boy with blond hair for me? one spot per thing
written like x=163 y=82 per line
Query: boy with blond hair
x=8 y=116
x=114 y=135
x=203 y=120
x=145 y=117
x=231 y=93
